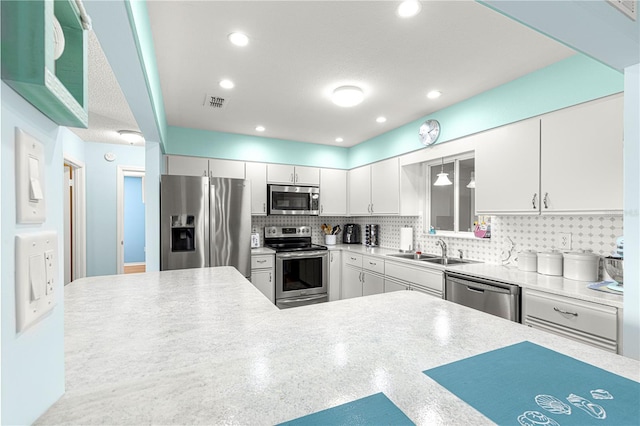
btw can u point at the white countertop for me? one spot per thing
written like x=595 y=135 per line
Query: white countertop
x=509 y=274
x=204 y=346
x=262 y=250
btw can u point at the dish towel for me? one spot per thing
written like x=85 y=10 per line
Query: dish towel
x=531 y=385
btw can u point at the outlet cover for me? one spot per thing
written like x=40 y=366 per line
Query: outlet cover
x=563 y=240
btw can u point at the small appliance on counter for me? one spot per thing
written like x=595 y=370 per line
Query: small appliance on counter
x=371 y=235
x=351 y=234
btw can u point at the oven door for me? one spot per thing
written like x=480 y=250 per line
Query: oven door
x=293 y=200
x=301 y=274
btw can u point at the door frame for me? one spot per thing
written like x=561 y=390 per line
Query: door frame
x=121 y=173
x=78 y=217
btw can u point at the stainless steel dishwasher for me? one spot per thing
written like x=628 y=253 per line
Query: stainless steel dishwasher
x=493 y=297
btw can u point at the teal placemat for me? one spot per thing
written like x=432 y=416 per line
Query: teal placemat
x=376 y=409
x=531 y=385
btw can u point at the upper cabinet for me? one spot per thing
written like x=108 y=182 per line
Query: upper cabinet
x=226 y=168
x=568 y=161
x=257 y=174
x=187 y=166
x=333 y=192
x=375 y=189
x=297 y=175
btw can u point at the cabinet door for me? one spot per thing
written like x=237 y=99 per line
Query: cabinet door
x=372 y=284
x=582 y=158
x=351 y=282
x=393 y=285
x=257 y=174
x=385 y=187
x=263 y=280
x=333 y=192
x=335 y=262
x=307 y=175
x=508 y=169
x=280 y=173
x=226 y=168
x=187 y=166
x=360 y=191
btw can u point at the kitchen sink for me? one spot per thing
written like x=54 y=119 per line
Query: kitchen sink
x=447 y=261
x=413 y=256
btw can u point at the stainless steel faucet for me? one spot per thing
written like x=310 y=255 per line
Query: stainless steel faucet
x=460 y=253
x=443 y=246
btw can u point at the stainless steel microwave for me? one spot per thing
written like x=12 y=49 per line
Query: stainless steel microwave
x=293 y=200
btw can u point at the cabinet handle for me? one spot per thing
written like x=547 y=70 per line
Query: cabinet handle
x=352 y=258
x=361 y=277
x=205 y=174
x=261 y=261
x=371 y=208
x=331 y=257
x=269 y=276
x=291 y=178
x=264 y=207
x=534 y=200
x=565 y=312
x=296 y=177
x=546 y=200
x=372 y=263
x=321 y=208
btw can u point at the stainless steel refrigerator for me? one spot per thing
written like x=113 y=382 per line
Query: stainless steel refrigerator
x=205 y=222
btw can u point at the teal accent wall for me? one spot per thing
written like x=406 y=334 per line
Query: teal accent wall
x=141 y=26
x=231 y=146
x=133 y=220
x=571 y=81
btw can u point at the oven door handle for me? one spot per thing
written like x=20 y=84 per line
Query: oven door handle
x=302 y=254
x=306 y=299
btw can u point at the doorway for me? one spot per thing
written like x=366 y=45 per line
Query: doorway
x=75 y=263
x=131 y=220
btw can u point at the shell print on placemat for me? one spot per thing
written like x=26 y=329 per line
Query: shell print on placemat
x=594 y=410
x=536 y=418
x=601 y=394
x=552 y=404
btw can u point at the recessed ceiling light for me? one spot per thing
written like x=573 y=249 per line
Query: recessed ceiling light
x=238 y=39
x=381 y=119
x=347 y=96
x=227 y=84
x=409 y=8
x=434 y=94
x=339 y=140
x=131 y=136
x=260 y=128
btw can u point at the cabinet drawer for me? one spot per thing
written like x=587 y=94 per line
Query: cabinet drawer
x=259 y=262
x=353 y=259
x=373 y=264
x=591 y=318
x=422 y=277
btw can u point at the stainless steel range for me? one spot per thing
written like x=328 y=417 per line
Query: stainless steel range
x=302 y=268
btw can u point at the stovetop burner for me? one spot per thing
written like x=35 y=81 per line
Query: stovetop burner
x=290 y=238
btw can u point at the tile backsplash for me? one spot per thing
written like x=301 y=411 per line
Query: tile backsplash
x=595 y=233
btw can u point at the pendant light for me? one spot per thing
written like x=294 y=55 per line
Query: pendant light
x=443 y=178
x=472 y=182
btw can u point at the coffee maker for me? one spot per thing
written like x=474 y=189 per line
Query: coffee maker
x=351 y=234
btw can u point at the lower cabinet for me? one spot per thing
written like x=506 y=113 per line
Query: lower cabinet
x=399 y=276
x=591 y=323
x=262 y=275
x=335 y=267
x=361 y=275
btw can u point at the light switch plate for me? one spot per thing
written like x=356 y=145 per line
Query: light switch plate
x=30 y=190
x=36 y=276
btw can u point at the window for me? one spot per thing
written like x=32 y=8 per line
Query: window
x=451 y=207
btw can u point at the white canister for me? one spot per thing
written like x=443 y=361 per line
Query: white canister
x=581 y=266
x=550 y=263
x=528 y=261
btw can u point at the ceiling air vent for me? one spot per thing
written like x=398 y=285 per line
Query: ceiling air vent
x=628 y=7
x=215 y=102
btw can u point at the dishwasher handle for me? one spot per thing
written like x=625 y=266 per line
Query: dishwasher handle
x=480 y=287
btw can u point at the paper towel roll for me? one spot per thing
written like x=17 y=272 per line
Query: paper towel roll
x=406 y=239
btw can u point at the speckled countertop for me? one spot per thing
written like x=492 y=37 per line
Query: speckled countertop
x=509 y=274
x=203 y=346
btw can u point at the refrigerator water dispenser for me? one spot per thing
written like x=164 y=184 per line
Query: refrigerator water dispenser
x=183 y=233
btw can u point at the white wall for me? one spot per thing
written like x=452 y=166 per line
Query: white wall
x=32 y=361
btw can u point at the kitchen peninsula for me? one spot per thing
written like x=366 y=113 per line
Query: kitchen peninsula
x=204 y=346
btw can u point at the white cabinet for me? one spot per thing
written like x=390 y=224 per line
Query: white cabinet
x=582 y=159
x=333 y=192
x=393 y=285
x=335 y=264
x=262 y=275
x=351 y=282
x=226 y=168
x=372 y=283
x=257 y=174
x=375 y=189
x=418 y=278
x=586 y=322
x=361 y=275
x=298 y=175
x=567 y=161
x=187 y=166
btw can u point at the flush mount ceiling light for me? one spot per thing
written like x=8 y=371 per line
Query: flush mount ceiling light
x=131 y=136
x=339 y=140
x=443 y=178
x=347 y=96
x=260 y=128
x=472 y=182
x=409 y=8
x=434 y=94
x=227 y=84
x=381 y=119
x=238 y=39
